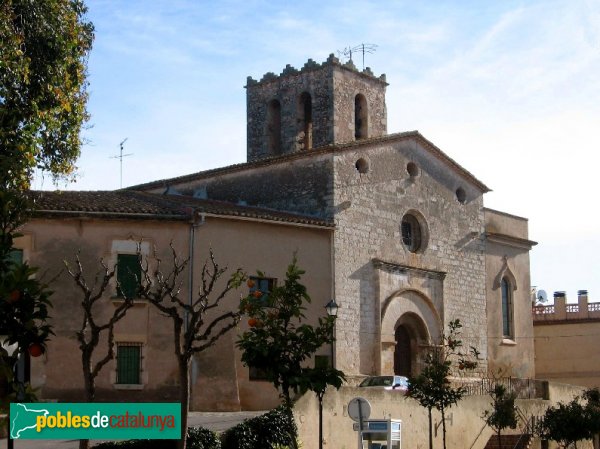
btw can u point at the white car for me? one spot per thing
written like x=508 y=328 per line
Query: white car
x=395 y=383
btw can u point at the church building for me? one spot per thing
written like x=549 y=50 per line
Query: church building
x=388 y=225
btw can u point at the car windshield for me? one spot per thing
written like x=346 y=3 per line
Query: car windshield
x=378 y=381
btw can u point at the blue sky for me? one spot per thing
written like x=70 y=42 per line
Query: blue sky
x=509 y=89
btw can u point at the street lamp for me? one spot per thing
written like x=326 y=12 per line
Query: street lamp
x=332 y=310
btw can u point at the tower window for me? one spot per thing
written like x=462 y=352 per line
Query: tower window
x=274 y=127
x=305 y=123
x=360 y=117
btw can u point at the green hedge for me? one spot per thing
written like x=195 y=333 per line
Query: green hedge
x=262 y=432
x=198 y=438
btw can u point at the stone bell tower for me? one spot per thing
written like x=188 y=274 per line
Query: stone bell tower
x=318 y=105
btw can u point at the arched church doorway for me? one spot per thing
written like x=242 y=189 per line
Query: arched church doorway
x=402 y=352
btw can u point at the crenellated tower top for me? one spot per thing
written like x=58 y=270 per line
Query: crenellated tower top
x=318 y=105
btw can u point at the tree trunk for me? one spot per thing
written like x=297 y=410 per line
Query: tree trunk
x=285 y=391
x=430 y=429
x=444 y=426
x=320 y=397
x=184 y=398
x=89 y=386
x=499 y=439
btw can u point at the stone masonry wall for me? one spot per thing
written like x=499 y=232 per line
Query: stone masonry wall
x=371 y=206
x=332 y=88
x=303 y=186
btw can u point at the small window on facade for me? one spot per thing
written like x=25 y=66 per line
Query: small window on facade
x=360 y=117
x=128 y=275
x=412 y=169
x=507 y=309
x=411 y=233
x=461 y=195
x=322 y=361
x=362 y=166
x=16 y=255
x=264 y=285
x=274 y=127
x=129 y=363
x=256 y=374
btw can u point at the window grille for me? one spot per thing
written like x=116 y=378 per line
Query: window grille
x=129 y=363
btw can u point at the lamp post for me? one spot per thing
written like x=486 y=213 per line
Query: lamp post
x=332 y=310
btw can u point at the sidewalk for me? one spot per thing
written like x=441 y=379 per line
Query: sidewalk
x=217 y=421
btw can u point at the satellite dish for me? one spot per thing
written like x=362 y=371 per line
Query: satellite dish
x=542 y=296
x=359 y=409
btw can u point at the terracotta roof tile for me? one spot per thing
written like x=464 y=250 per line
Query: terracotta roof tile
x=142 y=205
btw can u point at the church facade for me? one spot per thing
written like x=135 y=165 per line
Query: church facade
x=413 y=246
x=389 y=225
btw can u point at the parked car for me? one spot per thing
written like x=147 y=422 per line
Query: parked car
x=395 y=383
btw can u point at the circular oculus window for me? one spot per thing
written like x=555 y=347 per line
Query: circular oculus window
x=413 y=233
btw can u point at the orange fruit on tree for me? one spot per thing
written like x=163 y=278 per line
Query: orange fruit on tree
x=251 y=283
x=35 y=350
x=257 y=294
x=14 y=296
x=252 y=322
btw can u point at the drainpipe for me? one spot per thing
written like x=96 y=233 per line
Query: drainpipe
x=196 y=222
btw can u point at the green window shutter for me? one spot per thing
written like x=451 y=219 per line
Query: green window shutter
x=129 y=358
x=128 y=275
x=16 y=255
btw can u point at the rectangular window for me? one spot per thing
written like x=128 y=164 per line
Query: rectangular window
x=264 y=285
x=16 y=255
x=257 y=374
x=128 y=275
x=129 y=363
x=322 y=361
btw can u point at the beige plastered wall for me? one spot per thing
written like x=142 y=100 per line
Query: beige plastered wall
x=219 y=377
x=568 y=352
x=58 y=372
x=508 y=256
x=465 y=427
x=219 y=381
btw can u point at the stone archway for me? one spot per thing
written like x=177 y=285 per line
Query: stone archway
x=410 y=323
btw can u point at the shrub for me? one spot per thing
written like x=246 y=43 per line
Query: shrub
x=198 y=438
x=201 y=438
x=265 y=431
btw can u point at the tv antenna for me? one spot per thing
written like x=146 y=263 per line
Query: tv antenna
x=362 y=48
x=120 y=156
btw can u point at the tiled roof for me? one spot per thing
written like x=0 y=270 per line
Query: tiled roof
x=272 y=160
x=113 y=203
x=243 y=211
x=141 y=205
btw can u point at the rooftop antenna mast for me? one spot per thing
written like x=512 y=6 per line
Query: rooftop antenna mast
x=120 y=156
x=362 y=48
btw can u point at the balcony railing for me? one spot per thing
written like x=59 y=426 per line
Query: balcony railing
x=522 y=388
x=561 y=311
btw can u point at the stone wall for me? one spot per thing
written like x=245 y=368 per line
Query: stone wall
x=370 y=209
x=332 y=88
x=303 y=186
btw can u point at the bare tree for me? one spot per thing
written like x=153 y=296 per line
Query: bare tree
x=90 y=331
x=197 y=323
